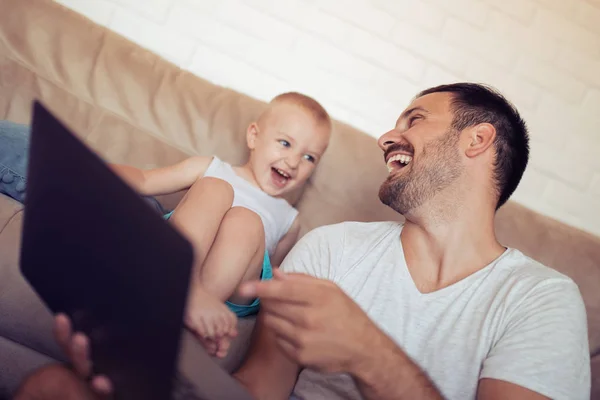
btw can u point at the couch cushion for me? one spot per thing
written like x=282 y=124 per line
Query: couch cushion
x=25 y=319
x=17 y=361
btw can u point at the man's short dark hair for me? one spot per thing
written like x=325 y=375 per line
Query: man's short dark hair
x=474 y=104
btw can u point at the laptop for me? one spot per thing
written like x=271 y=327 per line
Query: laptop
x=93 y=249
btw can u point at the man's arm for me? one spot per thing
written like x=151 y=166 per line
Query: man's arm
x=267 y=373
x=494 y=389
x=164 y=180
x=387 y=372
x=340 y=338
x=336 y=338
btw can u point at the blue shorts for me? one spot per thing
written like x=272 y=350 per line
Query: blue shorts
x=266 y=274
x=251 y=309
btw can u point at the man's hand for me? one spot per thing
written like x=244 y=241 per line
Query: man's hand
x=316 y=324
x=76 y=347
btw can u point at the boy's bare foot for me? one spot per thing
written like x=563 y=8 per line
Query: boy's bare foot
x=211 y=320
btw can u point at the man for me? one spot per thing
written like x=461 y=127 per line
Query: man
x=435 y=307
x=442 y=309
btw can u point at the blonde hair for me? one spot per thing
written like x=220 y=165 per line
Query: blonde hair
x=307 y=103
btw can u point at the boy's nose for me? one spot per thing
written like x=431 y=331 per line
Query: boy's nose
x=293 y=161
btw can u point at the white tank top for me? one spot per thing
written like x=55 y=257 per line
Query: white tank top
x=277 y=215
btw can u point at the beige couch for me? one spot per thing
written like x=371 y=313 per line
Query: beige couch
x=133 y=107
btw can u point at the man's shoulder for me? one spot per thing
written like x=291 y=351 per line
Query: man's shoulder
x=519 y=266
x=325 y=251
x=542 y=321
x=524 y=282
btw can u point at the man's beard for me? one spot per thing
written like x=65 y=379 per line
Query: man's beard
x=438 y=167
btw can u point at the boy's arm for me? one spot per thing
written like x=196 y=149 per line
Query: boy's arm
x=286 y=243
x=164 y=180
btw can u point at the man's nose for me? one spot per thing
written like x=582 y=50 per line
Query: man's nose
x=388 y=139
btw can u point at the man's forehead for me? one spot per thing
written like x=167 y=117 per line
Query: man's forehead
x=434 y=103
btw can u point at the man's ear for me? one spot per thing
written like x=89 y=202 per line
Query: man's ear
x=251 y=135
x=480 y=137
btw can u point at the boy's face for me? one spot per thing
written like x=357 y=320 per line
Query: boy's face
x=285 y=147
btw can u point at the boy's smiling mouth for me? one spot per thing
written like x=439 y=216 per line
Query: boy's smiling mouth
x=279 y=177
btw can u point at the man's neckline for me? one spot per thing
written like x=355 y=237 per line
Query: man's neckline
x=455 y=285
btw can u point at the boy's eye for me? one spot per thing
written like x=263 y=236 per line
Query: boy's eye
x=309 y=158
x=284 y=143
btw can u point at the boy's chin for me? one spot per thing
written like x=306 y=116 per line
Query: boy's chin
x=281 y=192
x=276 y=192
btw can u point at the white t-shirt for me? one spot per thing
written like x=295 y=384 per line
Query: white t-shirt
x=515 y=320
x=276 y=214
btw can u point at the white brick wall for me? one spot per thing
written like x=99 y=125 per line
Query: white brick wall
x=365 y=59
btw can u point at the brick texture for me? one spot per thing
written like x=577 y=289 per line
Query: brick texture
x=365 y=59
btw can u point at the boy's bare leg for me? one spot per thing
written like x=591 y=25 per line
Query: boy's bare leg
x=199 y=214
x=236 y=256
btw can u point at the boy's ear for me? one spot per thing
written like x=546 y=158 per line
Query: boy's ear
x=251 y=134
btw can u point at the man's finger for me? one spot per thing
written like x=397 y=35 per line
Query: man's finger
x=102 y=385
x=278 y=274
x=288 y=348
x=293 y=312
x=285 y=290
x=63 y=332
x=282 y=328
x=80 y=354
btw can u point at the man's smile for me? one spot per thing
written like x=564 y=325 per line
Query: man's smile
x=397 y=161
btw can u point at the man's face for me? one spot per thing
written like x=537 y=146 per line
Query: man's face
x=421 y=152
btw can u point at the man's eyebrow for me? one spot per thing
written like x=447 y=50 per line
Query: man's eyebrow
x=410 y=111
